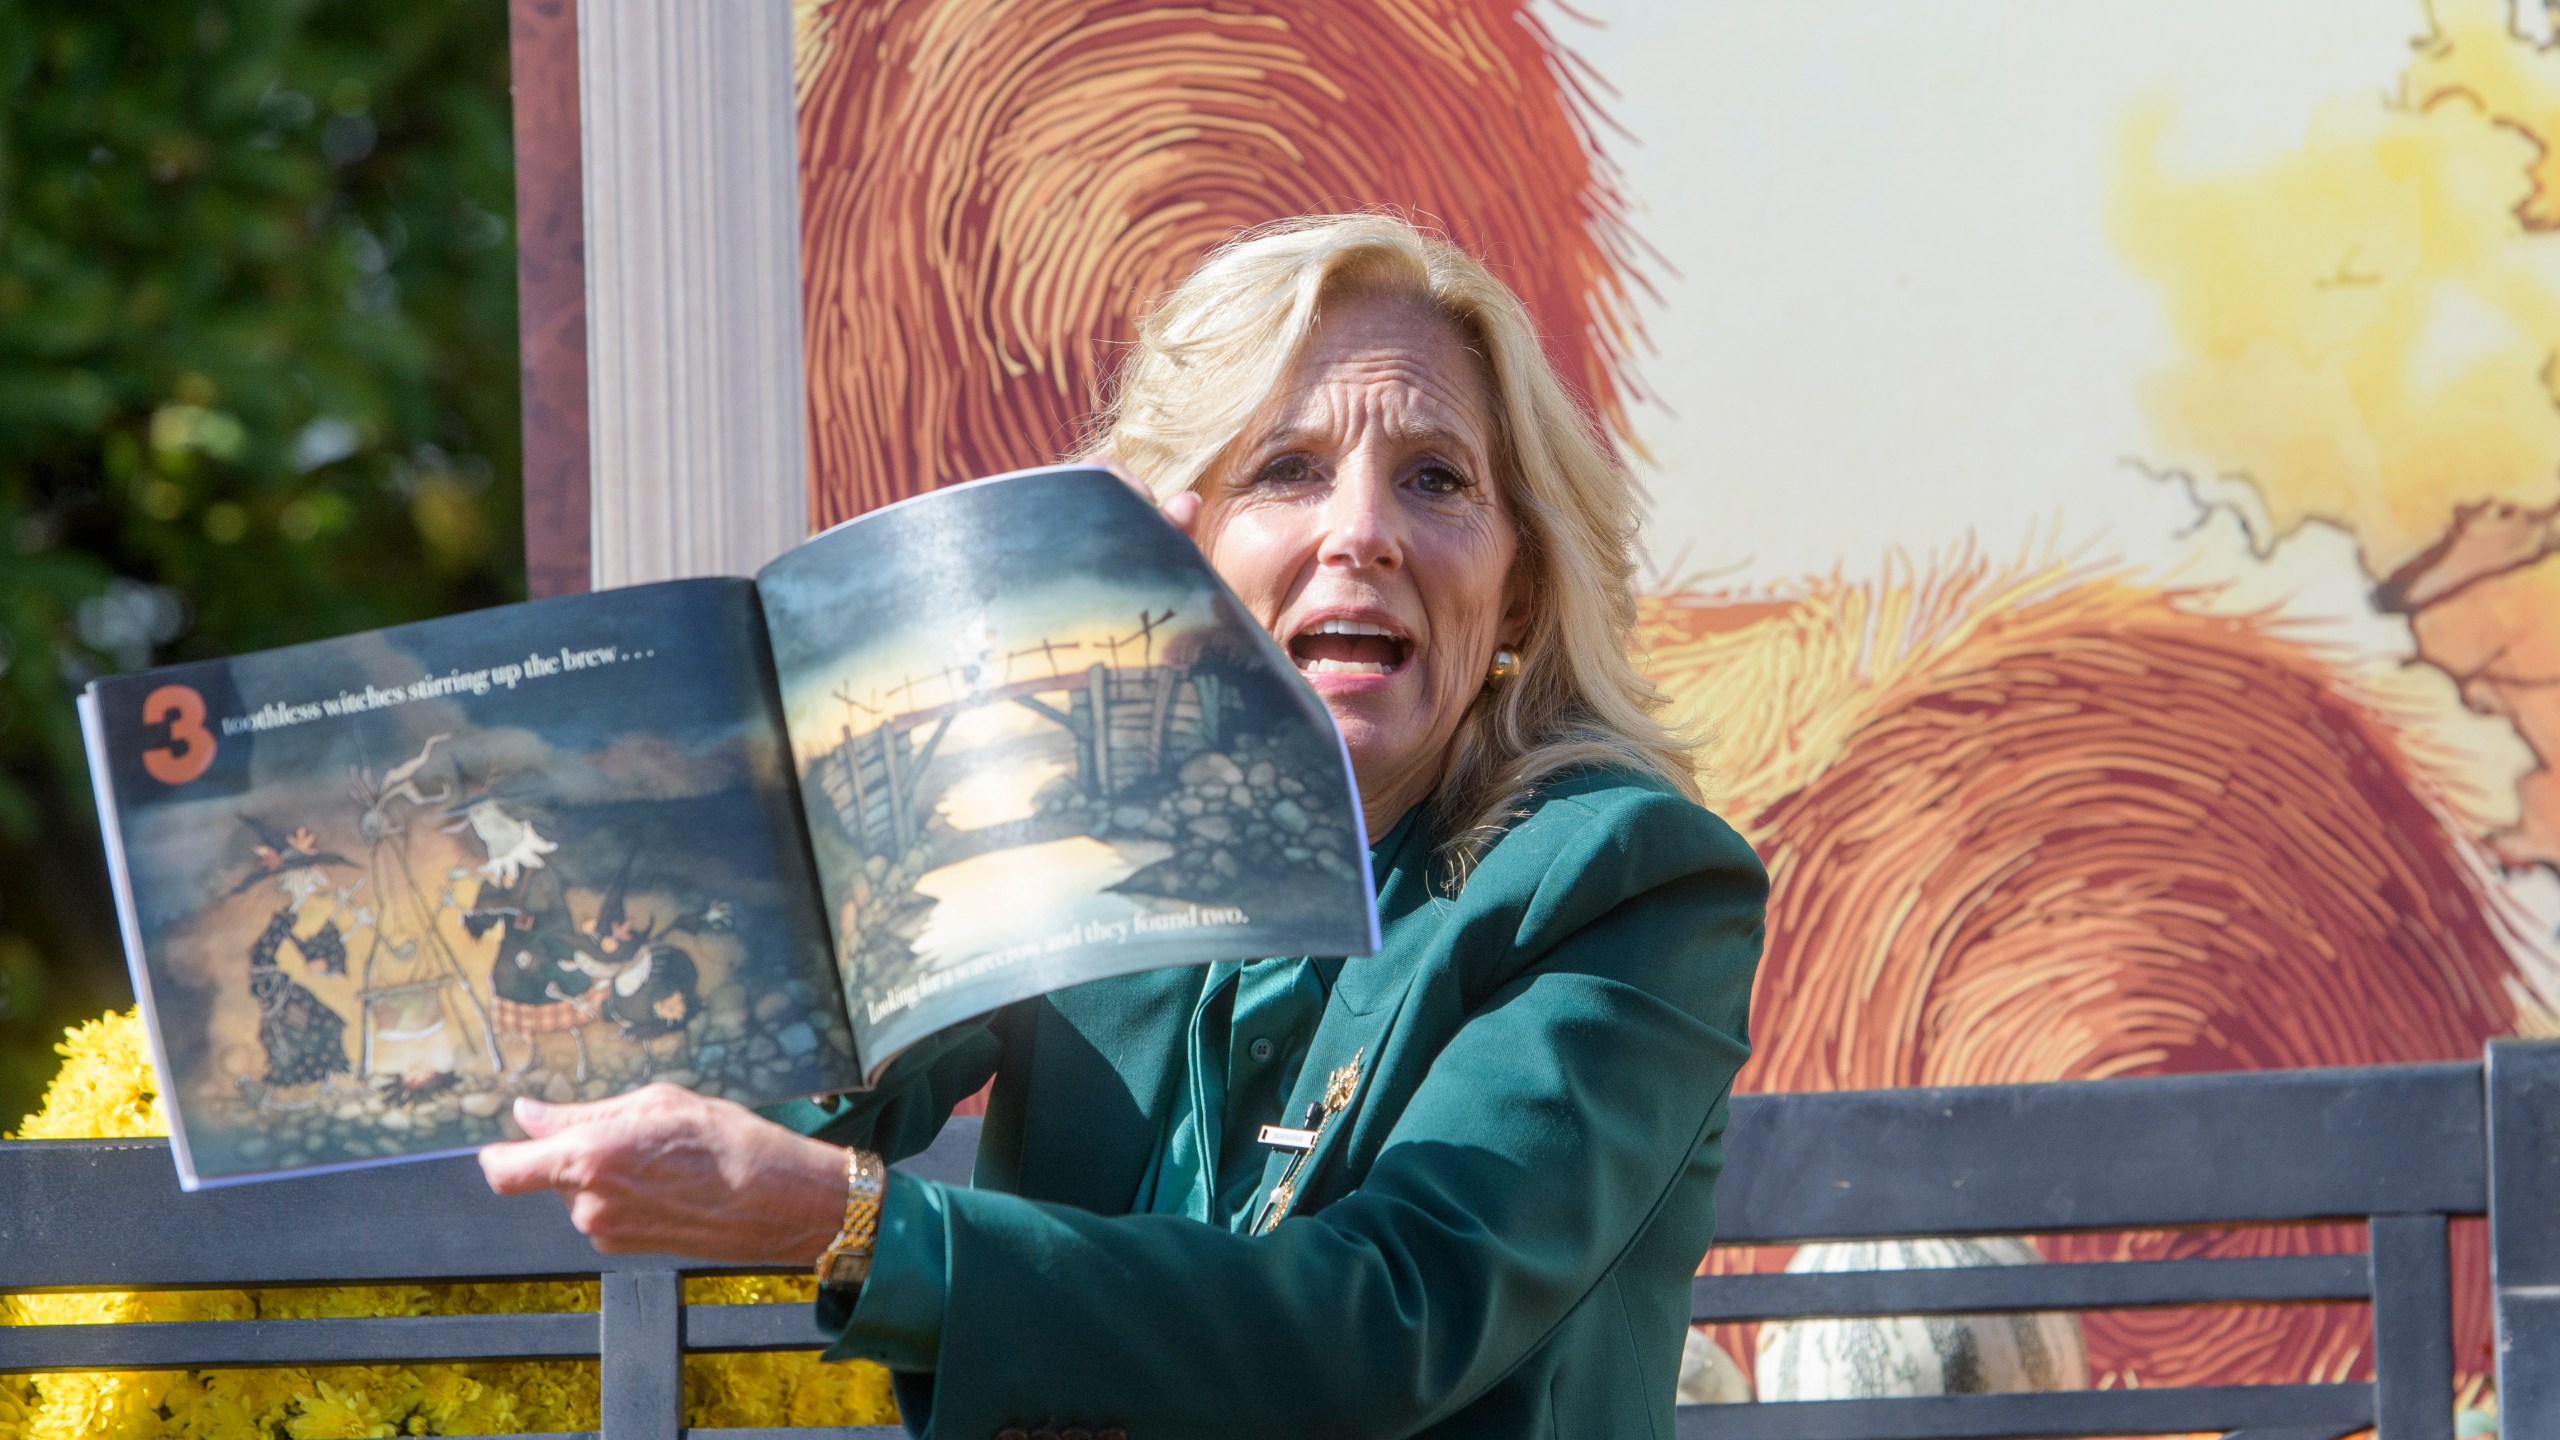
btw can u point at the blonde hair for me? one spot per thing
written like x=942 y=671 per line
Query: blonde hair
x=1211 y=354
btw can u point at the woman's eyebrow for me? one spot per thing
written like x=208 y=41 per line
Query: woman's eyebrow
x=1422 y=432
x=1412 y=432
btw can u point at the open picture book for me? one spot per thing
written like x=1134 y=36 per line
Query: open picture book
x=750 y=837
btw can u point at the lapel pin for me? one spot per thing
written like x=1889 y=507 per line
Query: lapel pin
x=1338 y=1089
x=1284 y=1137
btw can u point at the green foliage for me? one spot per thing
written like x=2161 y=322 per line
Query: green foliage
x=257 y=382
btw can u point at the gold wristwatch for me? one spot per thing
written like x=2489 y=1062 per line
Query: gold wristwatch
x=848 y=1260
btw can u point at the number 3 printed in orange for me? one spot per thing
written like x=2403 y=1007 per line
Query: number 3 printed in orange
x=189 y=752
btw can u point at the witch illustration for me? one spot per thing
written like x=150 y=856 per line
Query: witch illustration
x=534 y=988
x=304 y=1040
x=533 y=991
x=510 y=841
x=650 y=988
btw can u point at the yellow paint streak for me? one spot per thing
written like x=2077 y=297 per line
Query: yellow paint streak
x=2363 y=323
x=2366 y=328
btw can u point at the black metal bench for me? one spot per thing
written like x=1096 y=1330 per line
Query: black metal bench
x=2402 y=1148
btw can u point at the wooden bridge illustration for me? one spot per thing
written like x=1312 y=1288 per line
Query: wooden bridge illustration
x=1130 y=722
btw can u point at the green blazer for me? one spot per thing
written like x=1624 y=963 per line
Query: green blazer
x=1494 y=1238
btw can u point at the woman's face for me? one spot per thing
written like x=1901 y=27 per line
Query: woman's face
x=1360 y=519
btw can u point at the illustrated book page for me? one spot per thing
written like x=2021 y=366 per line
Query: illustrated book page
x=373 y=888
x=1039 y=742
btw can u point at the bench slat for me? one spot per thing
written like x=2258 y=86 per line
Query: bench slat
x=2400 y=1144
x=2267 y=1145
x=778 y=1326
x=1997 y=1289
x=203 y=1344
x=640 y=1385
x=2060 y=1413
x=790 y=1326
x=786 y=1432
x=2172 y=1150
x=191 y=1344
x=108 y=1215
x=2412 y=1327
x=2524 y=1119
x=744 y=1432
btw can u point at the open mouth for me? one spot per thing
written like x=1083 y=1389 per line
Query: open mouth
x=1349 y=647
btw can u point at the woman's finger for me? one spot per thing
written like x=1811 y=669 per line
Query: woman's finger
x=541 y=1118
x=540 y=1162
x=665 y=1169
x=520 y=1167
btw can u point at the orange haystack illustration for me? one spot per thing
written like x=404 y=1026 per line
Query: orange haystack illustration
x=2035 y=825
x=991 y=186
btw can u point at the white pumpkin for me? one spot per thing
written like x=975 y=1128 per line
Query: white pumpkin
x=1913 y=1354
x=1708 y=1376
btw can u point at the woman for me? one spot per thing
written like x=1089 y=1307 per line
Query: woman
x=1517 y=1104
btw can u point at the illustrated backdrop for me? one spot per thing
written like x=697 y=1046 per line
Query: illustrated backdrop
x=2104 y=464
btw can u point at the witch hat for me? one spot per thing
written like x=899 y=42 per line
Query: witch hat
x=611 y=927
x=274 y=852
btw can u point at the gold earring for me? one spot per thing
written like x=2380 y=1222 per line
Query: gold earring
x=1506 y=664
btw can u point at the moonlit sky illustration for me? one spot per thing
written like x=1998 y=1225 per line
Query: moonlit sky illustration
x=877 y=602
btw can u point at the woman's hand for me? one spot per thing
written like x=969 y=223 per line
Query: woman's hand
x=663 y=1169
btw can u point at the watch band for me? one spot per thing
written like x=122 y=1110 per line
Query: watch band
x=847 y=1261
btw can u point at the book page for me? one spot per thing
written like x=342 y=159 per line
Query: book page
x=376 y=887
x=1040 y=743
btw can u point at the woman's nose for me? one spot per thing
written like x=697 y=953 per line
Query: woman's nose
x=1361 y=527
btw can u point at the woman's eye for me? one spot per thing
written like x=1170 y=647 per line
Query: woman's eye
x=1284 y=470
x=1437 y=479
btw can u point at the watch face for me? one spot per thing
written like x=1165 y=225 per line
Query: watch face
x=846 y=1270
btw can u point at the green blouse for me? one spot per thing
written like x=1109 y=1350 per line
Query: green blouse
x=1523 y=1098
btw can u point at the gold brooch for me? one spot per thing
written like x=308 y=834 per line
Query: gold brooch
x=1339 y=1085
x=1338 y=1088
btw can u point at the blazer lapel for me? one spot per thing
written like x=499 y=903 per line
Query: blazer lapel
x=1365 y=997
x=1345 y=1053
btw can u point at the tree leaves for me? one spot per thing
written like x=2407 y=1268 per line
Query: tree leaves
x=257 y=371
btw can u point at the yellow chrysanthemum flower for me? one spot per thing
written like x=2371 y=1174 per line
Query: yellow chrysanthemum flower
x=105 y=1091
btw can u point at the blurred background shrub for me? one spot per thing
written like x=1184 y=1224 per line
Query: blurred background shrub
x=257 y=384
